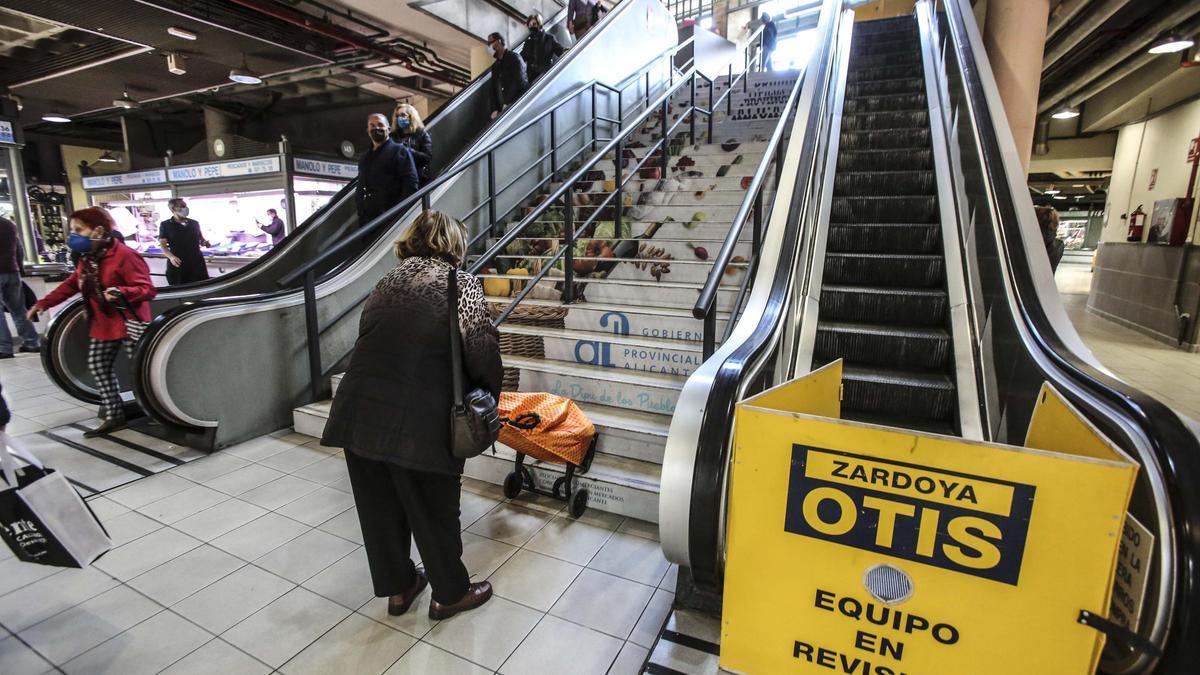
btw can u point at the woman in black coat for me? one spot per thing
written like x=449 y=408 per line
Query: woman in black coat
x=392 y=416
x=409 y=130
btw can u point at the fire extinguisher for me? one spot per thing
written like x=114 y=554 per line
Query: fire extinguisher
x=1137 y=223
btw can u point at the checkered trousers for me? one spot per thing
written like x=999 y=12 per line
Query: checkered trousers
x=102 y=354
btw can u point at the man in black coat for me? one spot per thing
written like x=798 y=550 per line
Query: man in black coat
x=509 y=78
x=768 y=39
x=386 y=172
x=541 y=49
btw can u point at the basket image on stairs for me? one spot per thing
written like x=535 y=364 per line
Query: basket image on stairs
x=528 y=346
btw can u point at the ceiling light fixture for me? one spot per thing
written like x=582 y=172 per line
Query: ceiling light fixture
x=176 y=64
x=1051 y=190
x=126 y=102
x=57 y=118
x=181 y=33
x=107 y=158
x=1066 y=113
x=1171 y=44
x=1059 y=197
x=244 y=75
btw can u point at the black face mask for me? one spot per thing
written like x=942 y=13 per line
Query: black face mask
x=535 y=29
x=379 y=135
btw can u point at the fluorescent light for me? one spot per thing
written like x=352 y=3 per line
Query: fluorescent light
x=57 y=118
x=1059 y=197
x=181 y=33
x=107 y=158
x=1170 y=45
x=244 y=75
x=1066 y=114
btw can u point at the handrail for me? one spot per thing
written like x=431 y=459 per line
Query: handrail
x=422 y=195
x=1174 y=446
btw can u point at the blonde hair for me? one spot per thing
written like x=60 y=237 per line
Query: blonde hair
x=433 y=235
x=414 y=118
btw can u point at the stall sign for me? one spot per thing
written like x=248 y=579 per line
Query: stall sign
x=148 y=177
x=6 y=133
x=866 y=550
x=318 y=167
x=244 y=167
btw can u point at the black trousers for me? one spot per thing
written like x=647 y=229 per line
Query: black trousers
x=397 y=505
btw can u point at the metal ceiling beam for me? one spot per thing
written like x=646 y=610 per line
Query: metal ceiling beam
x=1138 y=42
x=1095 y=17
x=1062 y=14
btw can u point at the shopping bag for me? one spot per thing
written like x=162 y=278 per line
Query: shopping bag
x=42 y=518
x=544 y=426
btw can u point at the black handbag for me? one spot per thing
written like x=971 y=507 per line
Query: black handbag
x=134 y=326
x=474 y=423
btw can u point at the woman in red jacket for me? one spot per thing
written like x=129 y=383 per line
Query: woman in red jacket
x=108 y=272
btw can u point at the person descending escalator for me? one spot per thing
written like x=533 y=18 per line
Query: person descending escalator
x=582 y=15
x=541 y=48
x=181 y=240
x=386 y=172
x=410 y=131
x=509 y=76
x=116 y=286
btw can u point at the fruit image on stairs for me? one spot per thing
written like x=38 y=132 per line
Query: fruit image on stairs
x=884 y=307
x=624 y=348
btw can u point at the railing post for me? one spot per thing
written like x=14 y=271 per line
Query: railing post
x=620 y=110
x=569 y=241
x=710 y=329
x=664 y=161
x=758 y=212
x=594 y=117
x=647 y=92
x=619 y=170
x=425 y=203
x=491 y=187
x=692 y=112
x=712 y=89
x=313 y=333
x=553 y=145
x=729 y=94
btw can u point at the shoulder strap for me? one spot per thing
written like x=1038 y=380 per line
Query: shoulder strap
x=455 y=337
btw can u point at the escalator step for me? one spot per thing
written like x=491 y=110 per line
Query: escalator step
x=909 y=270
x=942 y=427
x=884 y=182
x=925 y=396
x=894 y=25
x=902 y=209
x=883 y=43
x=910 y=58
x=892 y=306
x=872 y=344
x=885 y=121
x=913 y=138
x=887 y=72
x=891 y=103
x=885 y=160
x=908 y=85
x=884 y=237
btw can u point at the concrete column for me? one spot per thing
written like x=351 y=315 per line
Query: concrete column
x=1015 y=36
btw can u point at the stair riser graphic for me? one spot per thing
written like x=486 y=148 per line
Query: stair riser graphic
x=603 y=392
x=703 y=168
x=623 y=356
x=652 y=269
x=617 y=499
x=630 y=444
x=694 y=249
x=709 y=232
x=707 y=163
x=681 y=186
x=682 y=298
x=698 y=211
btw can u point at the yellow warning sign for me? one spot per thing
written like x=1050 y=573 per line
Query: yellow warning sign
x=867 y=550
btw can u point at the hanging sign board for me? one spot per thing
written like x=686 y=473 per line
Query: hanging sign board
x=320 y=167
x=7 y=136
x=149 y=177
x=868 y=550
x=244 y=167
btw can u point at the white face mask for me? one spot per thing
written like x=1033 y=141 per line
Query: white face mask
x=491 y=50
x=183 y=213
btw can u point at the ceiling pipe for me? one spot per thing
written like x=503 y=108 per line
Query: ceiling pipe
x=342 y=35
x=1069 y=40
x=1063 y=13
x=1129 y=47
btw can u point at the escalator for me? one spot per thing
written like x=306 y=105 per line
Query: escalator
x=903 y=241
x=455 y=126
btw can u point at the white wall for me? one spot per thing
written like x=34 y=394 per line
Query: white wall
x=1160 y=143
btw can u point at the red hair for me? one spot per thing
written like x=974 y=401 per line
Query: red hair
x=95 y=217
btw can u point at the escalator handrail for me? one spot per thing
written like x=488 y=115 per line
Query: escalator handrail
x=706 y=491
x=1173 y=443
x=387 y=218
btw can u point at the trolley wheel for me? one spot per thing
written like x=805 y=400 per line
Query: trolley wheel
x=579 y=502
x=512 y=484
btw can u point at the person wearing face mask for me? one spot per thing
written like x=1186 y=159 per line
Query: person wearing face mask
x=181 y=240
x=115 y=284
x=509 y=77
x=541 y=49
x=409 y=131
x=386 y=172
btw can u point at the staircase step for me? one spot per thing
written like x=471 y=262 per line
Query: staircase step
x=911 y=270
x=734 y=185
x=884 y=237
x=888 y=103
x=698 y=211
x=634 y=291
x=699 y=231
x=892 y=139
x=867 y=183
x=727 y=147
x=870 y=209
x=644 y=320
x=885 y=160
x=892 y=306
x=609 y=350
x=644 y=267
x=681 y=249
x=901 y=393
x=619 y=388
x=617 y=485
x=888 y=346
x=885 y=121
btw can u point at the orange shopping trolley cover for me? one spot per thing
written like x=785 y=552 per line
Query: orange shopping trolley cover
x=544 y=426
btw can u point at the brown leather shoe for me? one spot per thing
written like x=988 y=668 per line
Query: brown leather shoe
x=477 y=594
x=399 y=604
